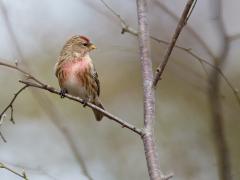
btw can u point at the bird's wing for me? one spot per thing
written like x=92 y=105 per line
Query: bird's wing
x=95 y=77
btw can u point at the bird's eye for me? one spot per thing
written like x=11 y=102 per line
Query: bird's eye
x=85 y=44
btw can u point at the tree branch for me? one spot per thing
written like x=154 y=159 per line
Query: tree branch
x=28 y=75
x=22 y=175
x=149 y=94
x=222 y=151
x=182 y=22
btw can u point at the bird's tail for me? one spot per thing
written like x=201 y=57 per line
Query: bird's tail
x=98 y=115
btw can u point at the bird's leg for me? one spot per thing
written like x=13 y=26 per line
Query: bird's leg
x=62 y=93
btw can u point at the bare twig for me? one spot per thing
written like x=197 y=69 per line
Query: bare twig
x=182 y=22
x=1 y=122
x=130 y=30
x=22 y=175
x=218 y=70
x=125 y=26
x=10 y=106
x=2 y=137
x=28 y=75
x=149 y=94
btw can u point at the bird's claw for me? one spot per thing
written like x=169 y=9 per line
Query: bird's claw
x=85 y=101
x=62 y=93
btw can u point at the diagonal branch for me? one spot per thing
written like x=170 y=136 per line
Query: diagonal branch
x=28 y=75
x=23 y=175
x=182 y=22
x=125 y=26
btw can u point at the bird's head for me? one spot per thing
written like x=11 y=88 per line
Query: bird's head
x=79 y=45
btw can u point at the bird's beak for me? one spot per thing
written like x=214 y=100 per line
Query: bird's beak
x=91 y=46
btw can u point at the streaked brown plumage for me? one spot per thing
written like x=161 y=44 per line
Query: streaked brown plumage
x=76 y=73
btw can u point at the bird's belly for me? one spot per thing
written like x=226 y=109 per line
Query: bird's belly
x=75 y=87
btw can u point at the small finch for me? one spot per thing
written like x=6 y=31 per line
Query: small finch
x=76 y=73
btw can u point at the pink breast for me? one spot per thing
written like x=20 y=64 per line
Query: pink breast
x=75 y=66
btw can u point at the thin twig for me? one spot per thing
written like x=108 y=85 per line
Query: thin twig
x=22 y=175
x=125 y=26
x=11 y=114
x=28 y=75
x=182 y=22
x=217 y=69
x=1 y=122
x=10 y=105
x=2 y=137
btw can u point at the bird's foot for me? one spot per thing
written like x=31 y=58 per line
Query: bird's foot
x=85 y=101
x=62 y=93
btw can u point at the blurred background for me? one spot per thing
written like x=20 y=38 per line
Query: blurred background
x=33 y=32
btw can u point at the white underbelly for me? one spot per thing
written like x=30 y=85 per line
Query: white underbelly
x=75 y=87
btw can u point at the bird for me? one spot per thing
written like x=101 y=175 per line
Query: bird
x=76 y=73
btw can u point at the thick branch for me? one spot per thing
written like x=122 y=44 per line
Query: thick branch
x=182 y=22
x=218 y=130
x=149 y=94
